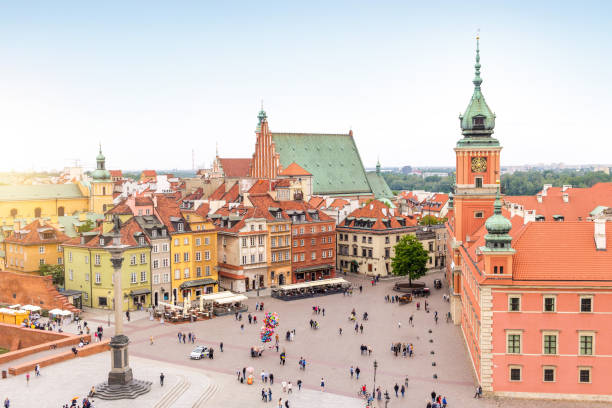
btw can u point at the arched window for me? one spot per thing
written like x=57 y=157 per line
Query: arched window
x=37 y=212
x=60 y=211
x=13 y=212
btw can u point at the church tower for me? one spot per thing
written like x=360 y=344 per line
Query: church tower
x=478 y=165
x=266 y=162
x=101 y=192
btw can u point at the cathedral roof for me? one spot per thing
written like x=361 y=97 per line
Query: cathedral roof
x=236 y=167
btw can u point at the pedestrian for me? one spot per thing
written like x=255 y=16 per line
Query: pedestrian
x=270 y=394
x=250 y=318
x=221 y=346
x=261 y=307
x=323 y=312
x=399 y=325
x=28 y=379
x=361 y=328
x=410 y=321
x=351 y=371
x=263 y=376
x=433 y=396
x=254 y=319
x=286 y=403
x=357 y=371
x=444 y=403
x=396 y=389
x=180 y=336
x=478 y=392
x=280 y=403
x=192 y=338
x=289 y=388
x=360 y=288
x=243 y=372
x=256 y=306
x=7 y=403
x=264 y=395
x=403 y=390
x=37 y=370
x=151 y=340
x=271 y=378
x=184 y=337
x=340 y=331
x=356 y=328
x=242 y=327
x=284 y=386
x=189 y=337
x=322 y=384
x=299 y=383
x=161 y=379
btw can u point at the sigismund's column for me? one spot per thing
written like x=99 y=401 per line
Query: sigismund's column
x=121 y=383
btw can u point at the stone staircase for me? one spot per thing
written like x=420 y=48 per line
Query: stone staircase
x=175 y=392
x=116 y=392
x=207 y=395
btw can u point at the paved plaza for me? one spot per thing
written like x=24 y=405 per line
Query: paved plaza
x=329 y=355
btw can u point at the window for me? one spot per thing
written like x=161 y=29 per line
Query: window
x=206 y=241
x=295 y=243
x=86 y=277
x=586 y=304
x=370 y=254
x=363 y=240
x=329 y=239
x=156 y=279
x=166 y=277
x=143 y=258
x=186 y=241
x=180 y=227
x=244 y=260
x=59 y=261
x=273 y=242
x=198 y=272
x=177 y=274
x=301 y=231
x=584 y=375
x=41 y=249
x=478 y=214
x=60 y=249
x=550 y=343
x=155 y=248
x=41 y=261
x=369 y=240
x=133 y=277
x=514 y=303
x=313 y=241
x=71 y=274
x=286 y=255
x=515 y=373
x=513 y=343
x=322 y=240
x=302 y=257
x=261 y=257
x=586 y=340
x=244 y=242
x=354 y=238
x=97 y=259
x=186 y=273
x=313 y=255
x=207 y=255
x=387 y=252
x=198 y=256
x=273 y=257
x=86 y=259
x=252 y=258
x=155 y=264
x=177 y=258
x=260 y=227
x=133 y=260
x=301 y=242
x=478 y=182
x=98 y=277
x=207 y=270
x=323 y=254
x=69 y=256
x=102 y=301
x=198 y=241
x=165 y=247
x=295 y=231
x=176 y=242
x=295 y=258
x=261 y=240
x=387 y=240
x=252 y=241
x=548 y=374
x=549 y=303
x=185 y=256
x=143 y=276
x=330 y=253
x=165 y=262
x=141 y=241
x=312 y=229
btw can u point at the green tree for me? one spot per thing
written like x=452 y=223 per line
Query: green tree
x=57 y=271
x=431 y=220
x=87 y=226
x=410 y=258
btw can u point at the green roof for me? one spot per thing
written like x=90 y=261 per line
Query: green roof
x=332 y=159
x=379 y=186
x=70 y=222
x=39 y=192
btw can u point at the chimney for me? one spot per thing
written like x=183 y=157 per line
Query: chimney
x=565 y=197
x=545 y=188
x=600 y=234
x=82 y=239
x=566 y=187
x=539 y=197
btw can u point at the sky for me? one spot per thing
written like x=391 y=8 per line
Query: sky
x=155 y=80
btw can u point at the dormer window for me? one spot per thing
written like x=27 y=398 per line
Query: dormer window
x=154 y=233
x=180 y=226
x=141 y=241
x=478 y=122
x=101 y=241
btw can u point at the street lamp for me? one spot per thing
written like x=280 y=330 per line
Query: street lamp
x=120 y=379
x=375 y=367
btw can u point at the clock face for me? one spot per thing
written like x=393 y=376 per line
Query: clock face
x=479 y=164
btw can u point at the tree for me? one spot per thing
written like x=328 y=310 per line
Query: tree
x=57 y=271
x=87 y=226
x=410 y=258
x=431 y=220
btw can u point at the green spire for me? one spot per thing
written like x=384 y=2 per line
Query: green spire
x=478 y=121
x=378 y=166
x=498 y=228
x=261 y=116
x=100 y=173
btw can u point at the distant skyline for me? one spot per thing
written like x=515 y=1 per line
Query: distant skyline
x=152 y=81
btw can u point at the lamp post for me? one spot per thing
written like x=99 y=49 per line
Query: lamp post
x=375 y=367
x=121 y=382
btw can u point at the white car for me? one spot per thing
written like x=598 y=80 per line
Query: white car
x=198 y=353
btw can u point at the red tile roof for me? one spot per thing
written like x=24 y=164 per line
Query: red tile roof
x=581 y=201
x=376 y=211
x=316 y=201
x=120 y=209
x=149 y=173
x=230 y=196
x=435 y=203
x=236 y=167
x=33 y=234
x=166 y=209
x=129 y=232
x=338 y=203
x=260 y=187
x=294 y=169
x=143 y=201
x=116 y=173
x=565 y=250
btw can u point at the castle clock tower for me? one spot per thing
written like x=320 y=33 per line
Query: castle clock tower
x=478 y=168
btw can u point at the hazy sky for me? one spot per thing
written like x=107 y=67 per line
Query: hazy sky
x=153 y=80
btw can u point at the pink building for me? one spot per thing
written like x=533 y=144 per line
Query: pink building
x=534 y=300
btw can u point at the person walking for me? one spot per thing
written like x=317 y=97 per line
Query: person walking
x=161 y=379
x=410 y=320
x=221 y=346
x=271 y=378
x=351 y=371
x=322 y=384
x=280 y=403
x=403 y=391
x=399 y=325
x=340 y=331
x=361 y=328
x=299 y=383
x=7 y=403
x=396 y=389
x=357 y=371
x=444 y=403
x=37 y=370
x=264 y=395
x=270 y=394
x=289 y=388
x=27 y=378
x=433 y=396
x=151 y=340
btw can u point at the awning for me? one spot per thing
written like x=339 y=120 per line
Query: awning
x=231 y=299
x=332 y=281
x=198 y=282
x=314 y=268
x=218 y=295
x=140 y=292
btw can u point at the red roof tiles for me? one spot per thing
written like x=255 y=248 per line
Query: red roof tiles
x=35 y=234
x=294 y=169
x=236 y=167
x=376 y=211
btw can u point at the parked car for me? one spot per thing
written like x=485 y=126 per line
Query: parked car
x=198 y=353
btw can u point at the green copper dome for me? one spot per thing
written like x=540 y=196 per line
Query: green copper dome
x=478 y=119
x=498 y=228
x=100 y=173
